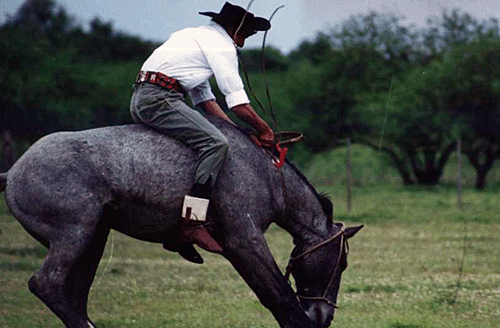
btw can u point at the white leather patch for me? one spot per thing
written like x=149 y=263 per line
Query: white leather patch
x=199 y=208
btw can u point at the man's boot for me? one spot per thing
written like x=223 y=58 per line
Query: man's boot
x=194 y=212
x=194 y=231
x=185 y=249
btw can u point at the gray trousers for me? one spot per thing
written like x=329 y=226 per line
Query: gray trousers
x=165 y=111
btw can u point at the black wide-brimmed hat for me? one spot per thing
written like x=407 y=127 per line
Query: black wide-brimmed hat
x=231 y=15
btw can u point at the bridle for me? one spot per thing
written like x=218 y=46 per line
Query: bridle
x=344 y=246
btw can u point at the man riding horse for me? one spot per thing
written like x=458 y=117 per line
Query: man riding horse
x=70 y=189
x=182 y=66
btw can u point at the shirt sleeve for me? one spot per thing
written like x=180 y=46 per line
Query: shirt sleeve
x=223 y=61
x=201 y=93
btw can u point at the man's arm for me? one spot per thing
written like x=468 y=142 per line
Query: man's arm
x=211 y=107
x=246 y=113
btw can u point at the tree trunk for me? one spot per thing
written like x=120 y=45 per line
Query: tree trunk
x=429 y=171
x=399 y=161
x=482 y=157
x=481 y=179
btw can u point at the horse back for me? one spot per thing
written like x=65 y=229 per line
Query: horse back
x=109 y=165
x=134 y=174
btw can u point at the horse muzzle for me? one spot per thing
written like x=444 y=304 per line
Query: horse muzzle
x=320 y=313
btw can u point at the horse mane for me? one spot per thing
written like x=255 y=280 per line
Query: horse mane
x=323 y=198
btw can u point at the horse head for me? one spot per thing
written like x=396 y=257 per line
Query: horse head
x=317 y=270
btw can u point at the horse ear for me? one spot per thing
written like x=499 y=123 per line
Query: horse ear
x=351 y=231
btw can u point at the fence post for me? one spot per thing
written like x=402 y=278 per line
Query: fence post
x=349 y=175
x=459 y=176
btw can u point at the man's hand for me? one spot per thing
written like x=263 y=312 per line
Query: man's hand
x=265 y=136
x=266 y=139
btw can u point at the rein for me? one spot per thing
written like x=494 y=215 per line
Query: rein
x=291 y=137
x=344 y=246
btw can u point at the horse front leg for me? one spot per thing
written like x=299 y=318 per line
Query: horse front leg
x=252 y=258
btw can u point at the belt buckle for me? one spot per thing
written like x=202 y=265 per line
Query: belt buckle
x=142 y=77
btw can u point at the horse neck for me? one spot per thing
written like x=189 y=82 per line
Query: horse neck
x=304 y=217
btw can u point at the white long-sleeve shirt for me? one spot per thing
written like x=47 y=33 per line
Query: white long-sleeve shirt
x=193 y=55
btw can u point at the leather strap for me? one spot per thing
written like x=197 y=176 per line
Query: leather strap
x=159 y=79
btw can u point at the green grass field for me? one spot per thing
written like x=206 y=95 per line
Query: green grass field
x=418 y=263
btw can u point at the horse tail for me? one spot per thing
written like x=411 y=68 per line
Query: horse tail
x=3 y=181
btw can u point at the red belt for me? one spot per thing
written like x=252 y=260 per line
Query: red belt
x=159 y=79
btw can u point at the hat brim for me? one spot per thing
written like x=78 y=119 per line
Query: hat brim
x=209 y=14
x=256 y=23
x=261 y=24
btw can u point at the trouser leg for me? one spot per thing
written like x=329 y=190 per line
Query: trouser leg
x=166 y=111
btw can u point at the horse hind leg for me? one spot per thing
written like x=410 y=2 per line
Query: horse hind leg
x=83 y=272
x=56 y=283
x=49 y=285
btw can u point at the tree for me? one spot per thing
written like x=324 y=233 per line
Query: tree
x=384 y=34
x=416 y=121
x=48 y=85
x=358 y=59
x=323 y=100
x=454 y=29
x=103 y=43
x=411 y=124
x=476 y=98
x=316 y=52
x=274 y=60
x=455 y=95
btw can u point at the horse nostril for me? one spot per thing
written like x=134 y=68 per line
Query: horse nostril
x=328 y=321
x=321 y=314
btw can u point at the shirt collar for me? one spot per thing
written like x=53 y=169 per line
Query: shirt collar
x=222 y=31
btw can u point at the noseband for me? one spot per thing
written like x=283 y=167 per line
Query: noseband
x=344 y=246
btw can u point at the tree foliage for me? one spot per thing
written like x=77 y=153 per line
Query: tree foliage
x=406 y=91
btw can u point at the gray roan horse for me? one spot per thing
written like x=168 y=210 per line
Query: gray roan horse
x=70 y=188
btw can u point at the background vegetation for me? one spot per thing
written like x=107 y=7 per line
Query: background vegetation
x=407 y=92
